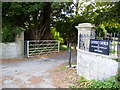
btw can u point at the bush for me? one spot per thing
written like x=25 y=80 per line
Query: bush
x=108 y=83
x=117 y=59
x=56 y=35
x=9 y=33
x=63 y=47
x=112 y=82
x=112 y=51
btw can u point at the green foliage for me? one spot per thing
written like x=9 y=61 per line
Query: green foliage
x=112 y=51
x=113 y=43
x=108 y=83
x=82 y=79
x=118 y=74
x=9 y=34
x=96 y=13
x=62 y=16
x=73 y=87
x=32 y=16
x=56 y=35
x=112 y=82
x=67 y=30
x=108 y=16
x=63 y=47
x=117 y=59
x=64 y=21
x=61 y=68
x=104 y=15
x=102 y=29
x=72 y=71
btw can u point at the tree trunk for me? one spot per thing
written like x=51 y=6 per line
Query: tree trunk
x=46 y=21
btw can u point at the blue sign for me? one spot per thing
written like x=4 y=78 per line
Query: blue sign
x=99 y=46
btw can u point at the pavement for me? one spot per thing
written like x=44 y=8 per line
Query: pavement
x=32 y=73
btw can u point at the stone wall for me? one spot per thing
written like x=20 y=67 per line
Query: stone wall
x=14 y=49
x=9 y=50
x=95 y=66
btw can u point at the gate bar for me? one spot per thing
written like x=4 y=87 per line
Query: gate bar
x=27 y=48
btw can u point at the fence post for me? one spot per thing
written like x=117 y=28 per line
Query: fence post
x=69 y=54
x=58 y=46
x=27 y=48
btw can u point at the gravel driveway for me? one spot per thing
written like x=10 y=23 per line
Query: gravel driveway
x=32 y=73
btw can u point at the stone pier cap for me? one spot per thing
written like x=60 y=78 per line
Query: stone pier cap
x=85 y=25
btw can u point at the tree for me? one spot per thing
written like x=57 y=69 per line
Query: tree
x=105 y=15
x=34 y=17
x=63 y=22
x=38 y=18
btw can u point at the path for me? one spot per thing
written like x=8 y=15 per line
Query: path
x=32 y=73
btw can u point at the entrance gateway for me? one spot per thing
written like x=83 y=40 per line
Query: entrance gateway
x=93 y=61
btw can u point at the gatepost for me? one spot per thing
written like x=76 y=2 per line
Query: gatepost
x=20 y=45
x=84 y=29
x=87 y=31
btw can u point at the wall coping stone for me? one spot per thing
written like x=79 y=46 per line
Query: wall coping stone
x=85 y=25
x=96 y=54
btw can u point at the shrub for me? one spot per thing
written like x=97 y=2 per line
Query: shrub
x=63 y=47
x=112 y=82
x=108 y=83
x=117 y=59
x=112 y=51
x=9 y=33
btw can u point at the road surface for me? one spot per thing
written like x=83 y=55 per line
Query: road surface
x=32 y=73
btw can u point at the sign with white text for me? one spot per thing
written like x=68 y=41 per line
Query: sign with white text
x=99 y=46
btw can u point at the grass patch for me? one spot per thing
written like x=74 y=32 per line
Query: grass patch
x=72 y=71
x=61 y=68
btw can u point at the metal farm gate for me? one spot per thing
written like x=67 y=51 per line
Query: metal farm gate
x=41 y=47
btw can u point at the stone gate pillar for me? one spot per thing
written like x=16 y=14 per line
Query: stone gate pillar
x=85 y=33
x=20 y=45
